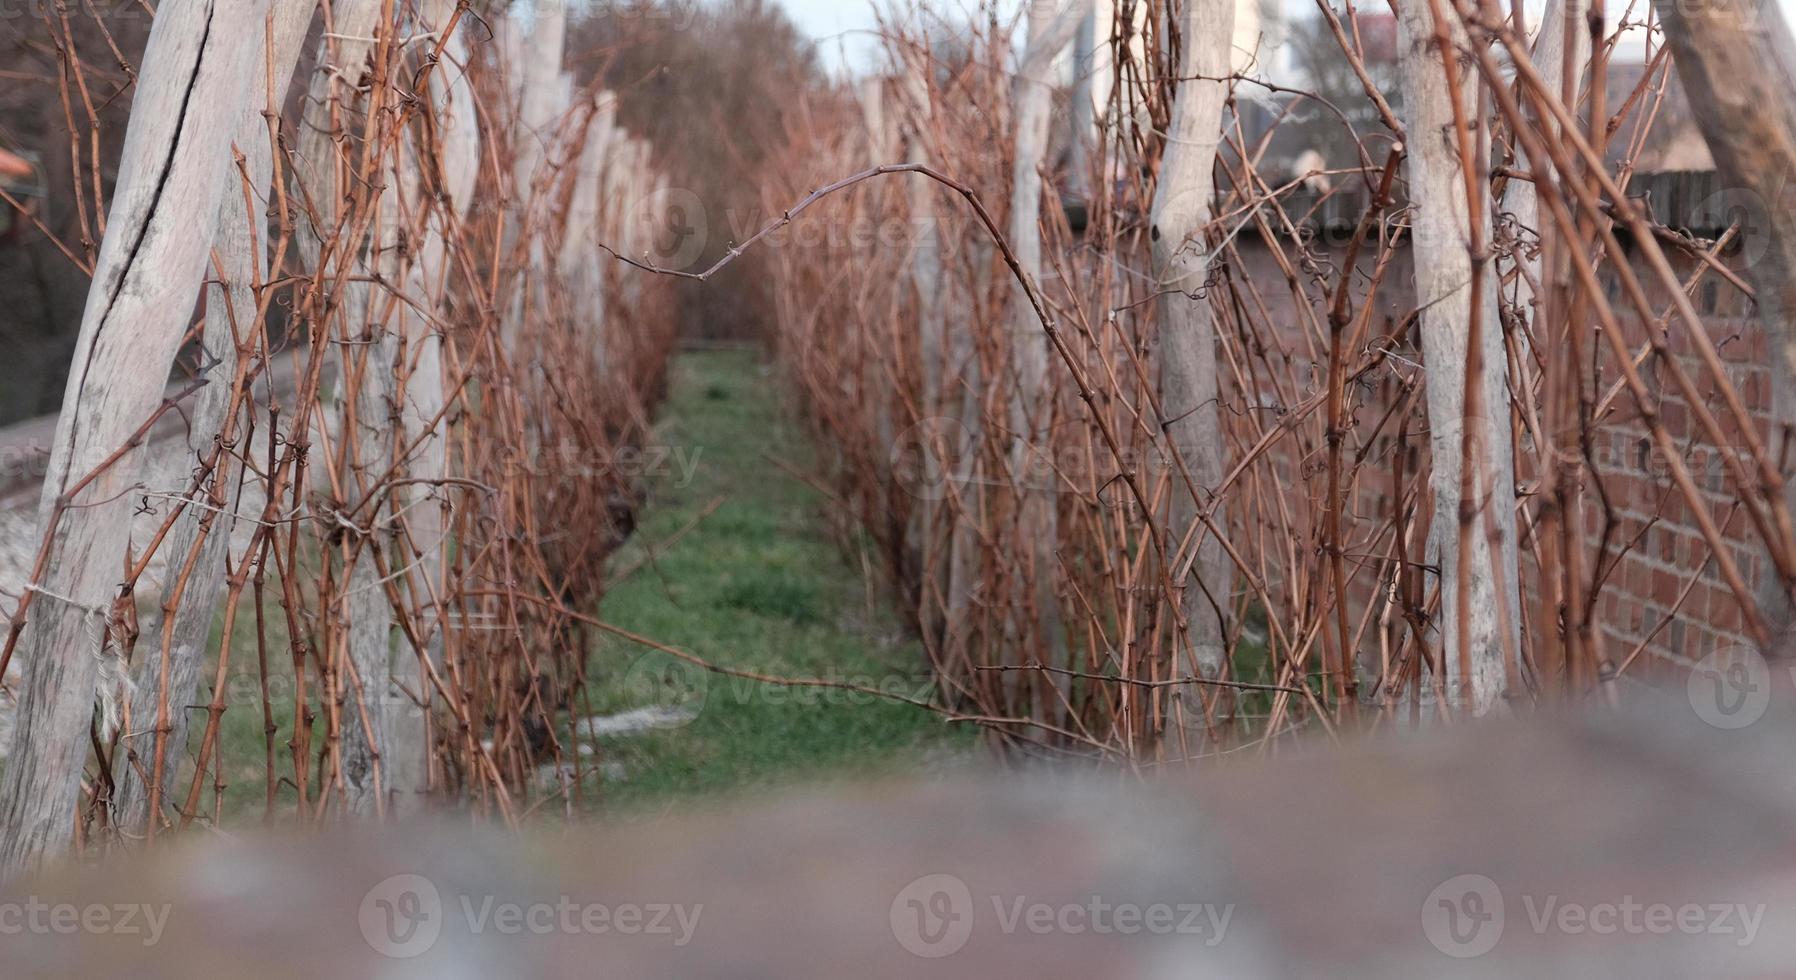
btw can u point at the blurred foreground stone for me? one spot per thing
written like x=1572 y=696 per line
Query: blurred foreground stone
x=1648 y=845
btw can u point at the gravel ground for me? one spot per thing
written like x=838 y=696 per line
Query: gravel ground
x=170 y=473
x=18 y=531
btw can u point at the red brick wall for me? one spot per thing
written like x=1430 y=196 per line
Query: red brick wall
x=1655 y=546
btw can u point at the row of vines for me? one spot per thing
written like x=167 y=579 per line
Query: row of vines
x=365 y=514
x=1173 y=454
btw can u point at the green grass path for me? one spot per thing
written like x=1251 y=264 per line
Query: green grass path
x=758 y=585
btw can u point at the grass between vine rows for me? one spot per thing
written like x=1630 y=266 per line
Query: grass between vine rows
x=761 y=585
x=756 y=584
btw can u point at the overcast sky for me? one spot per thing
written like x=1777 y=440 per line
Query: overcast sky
x=842 y=27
